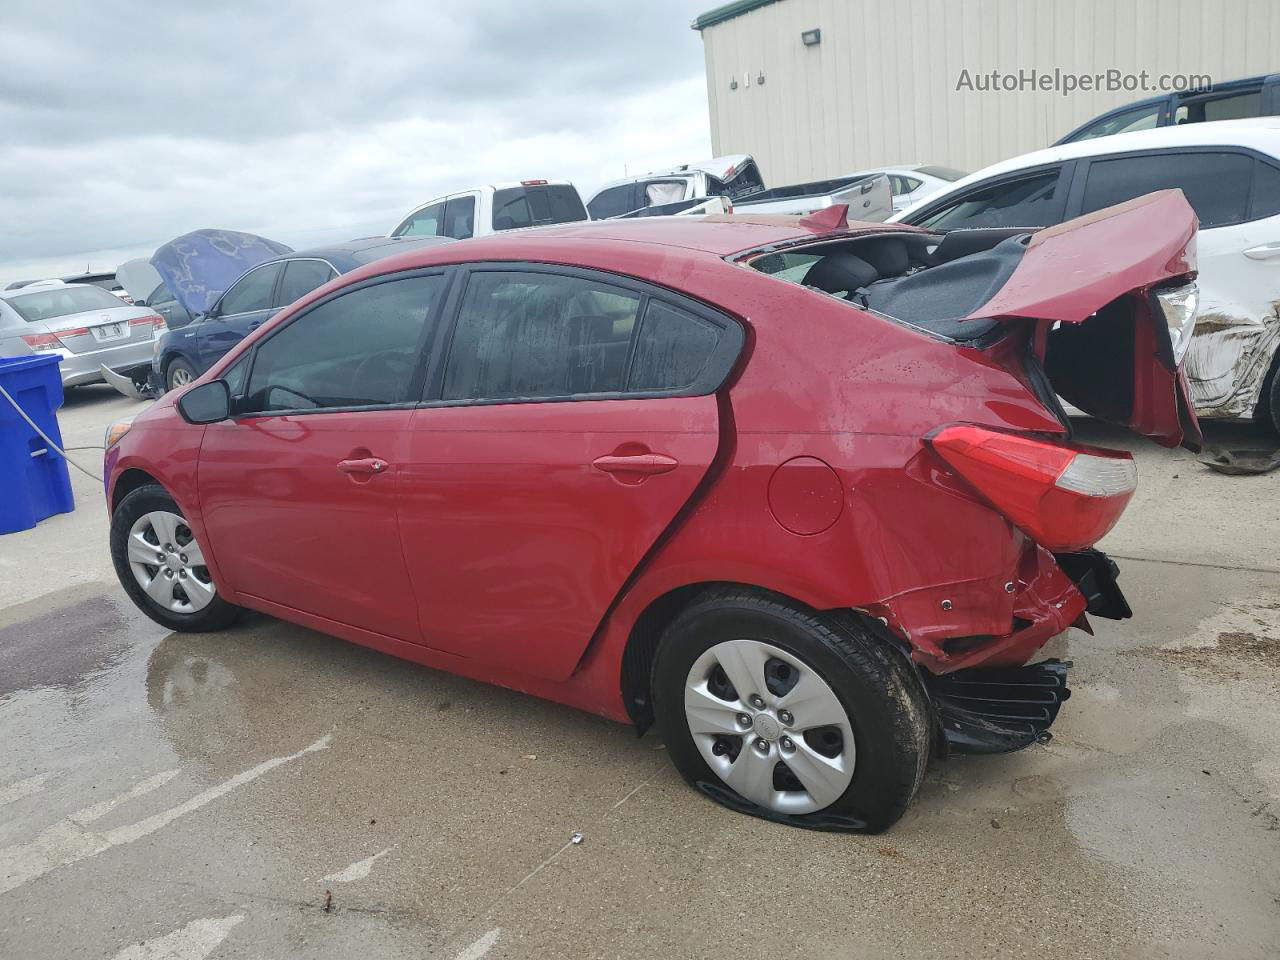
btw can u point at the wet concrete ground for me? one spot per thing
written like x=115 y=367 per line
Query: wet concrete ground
x=272 y=792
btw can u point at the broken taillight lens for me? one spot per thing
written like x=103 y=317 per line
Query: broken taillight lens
x=1064 y=496
x=1179 y=305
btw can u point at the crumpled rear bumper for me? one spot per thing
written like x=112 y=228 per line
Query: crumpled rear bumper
x=1051 y=593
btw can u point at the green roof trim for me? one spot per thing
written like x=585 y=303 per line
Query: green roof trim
x=728 y=12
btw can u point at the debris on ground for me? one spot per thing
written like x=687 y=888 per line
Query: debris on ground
x=575 y=838
x=1241 y=462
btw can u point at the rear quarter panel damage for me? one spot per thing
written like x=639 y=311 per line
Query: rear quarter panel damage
x=1231 y=353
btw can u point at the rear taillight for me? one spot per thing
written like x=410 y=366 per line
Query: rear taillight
x=1064 y=496
x=41 y=341
x=152 y=318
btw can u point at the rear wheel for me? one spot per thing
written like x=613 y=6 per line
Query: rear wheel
x=179 y=374
x=162 y=566
x=1269 y=401
x=791 y=715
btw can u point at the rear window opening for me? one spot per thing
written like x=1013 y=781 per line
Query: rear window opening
x=925 y=280
x=536 y=206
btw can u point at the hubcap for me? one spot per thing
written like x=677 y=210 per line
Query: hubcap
x=739 y=698
x=168 y=563
x=180 y=377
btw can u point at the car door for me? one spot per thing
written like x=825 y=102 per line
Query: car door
x=242 y=309
x=571 y=419
x=426 y=221
x=1236 y=196
x=299 y=489
x=459 y=217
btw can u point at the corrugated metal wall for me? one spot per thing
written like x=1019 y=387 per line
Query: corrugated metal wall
x=881 y=86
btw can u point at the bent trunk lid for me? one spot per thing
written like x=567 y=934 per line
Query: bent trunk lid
x=1088 y=284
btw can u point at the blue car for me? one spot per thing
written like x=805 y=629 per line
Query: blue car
x=264 y=289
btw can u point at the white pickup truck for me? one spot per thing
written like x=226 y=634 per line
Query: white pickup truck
x=685 y=189
x=493 y=208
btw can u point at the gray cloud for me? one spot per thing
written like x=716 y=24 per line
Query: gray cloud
x=128 y=123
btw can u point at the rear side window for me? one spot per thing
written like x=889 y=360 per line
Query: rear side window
x=62 y=302
x=251 y=292
x=301 y=277
x=422 y=223
x=672 y=349
x=525 y=335
x=459 y=218
x=539 y=335
x=614 y=202
x=903 y=185
x=1216 y=184
x=536 y=205
x=361 y=349
x=1025 y=202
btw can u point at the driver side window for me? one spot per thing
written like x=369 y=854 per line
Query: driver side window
x=361 y=349
x=251 y=292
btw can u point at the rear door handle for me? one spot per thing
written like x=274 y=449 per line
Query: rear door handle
x=365 y=466
x=646 y=464
x=1264 y=251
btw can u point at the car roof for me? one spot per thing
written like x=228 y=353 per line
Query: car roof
x=1257 y=133
x=356 y=253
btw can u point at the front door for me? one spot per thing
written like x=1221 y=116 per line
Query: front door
x=299 y=490
x=574 y=418
x=240 y=311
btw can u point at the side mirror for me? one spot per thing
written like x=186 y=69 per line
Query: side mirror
x=207 y=403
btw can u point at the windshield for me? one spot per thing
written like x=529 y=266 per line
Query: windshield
x=61 y=301
x=536 y=205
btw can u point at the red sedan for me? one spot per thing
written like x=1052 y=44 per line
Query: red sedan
x=800 y=492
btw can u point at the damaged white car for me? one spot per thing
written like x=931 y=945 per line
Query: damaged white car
x=1230 y=173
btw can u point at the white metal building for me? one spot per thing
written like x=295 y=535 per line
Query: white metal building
x=877 y=83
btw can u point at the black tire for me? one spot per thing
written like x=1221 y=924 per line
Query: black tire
x=216 y=615
x=1269 y=401
x=178 y=367
x=879 y=689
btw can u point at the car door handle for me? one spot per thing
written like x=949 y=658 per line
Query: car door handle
x=646 y=464
x=365 y=466
x=1263 y=251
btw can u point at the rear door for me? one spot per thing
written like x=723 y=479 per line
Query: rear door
x=242 y=309
x=569 y=420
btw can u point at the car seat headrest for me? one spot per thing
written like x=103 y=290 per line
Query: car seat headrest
x=840 y=272
x=888 y=255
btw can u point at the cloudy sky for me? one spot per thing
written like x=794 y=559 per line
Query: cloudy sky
x=125 y=124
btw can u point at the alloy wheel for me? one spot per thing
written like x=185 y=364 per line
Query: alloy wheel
x=769 y=726
x=168 y=563
x=180 y=376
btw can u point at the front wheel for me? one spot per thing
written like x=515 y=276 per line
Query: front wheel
x=162 y=566
x=179 y=374
x=789 y=714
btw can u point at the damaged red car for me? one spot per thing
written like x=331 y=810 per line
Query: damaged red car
x=800 y=492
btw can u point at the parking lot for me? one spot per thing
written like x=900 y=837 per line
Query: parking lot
x=271 y=790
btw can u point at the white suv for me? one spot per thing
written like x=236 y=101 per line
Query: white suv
x=503 y=206
x=1230 y=174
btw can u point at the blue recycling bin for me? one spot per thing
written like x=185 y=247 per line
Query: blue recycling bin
x=34 y=482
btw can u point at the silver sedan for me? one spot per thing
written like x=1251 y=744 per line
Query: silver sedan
x=86 y=326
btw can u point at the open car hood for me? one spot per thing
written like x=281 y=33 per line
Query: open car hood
x=1102 y=337
x=198 y=266
x=138 y=277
